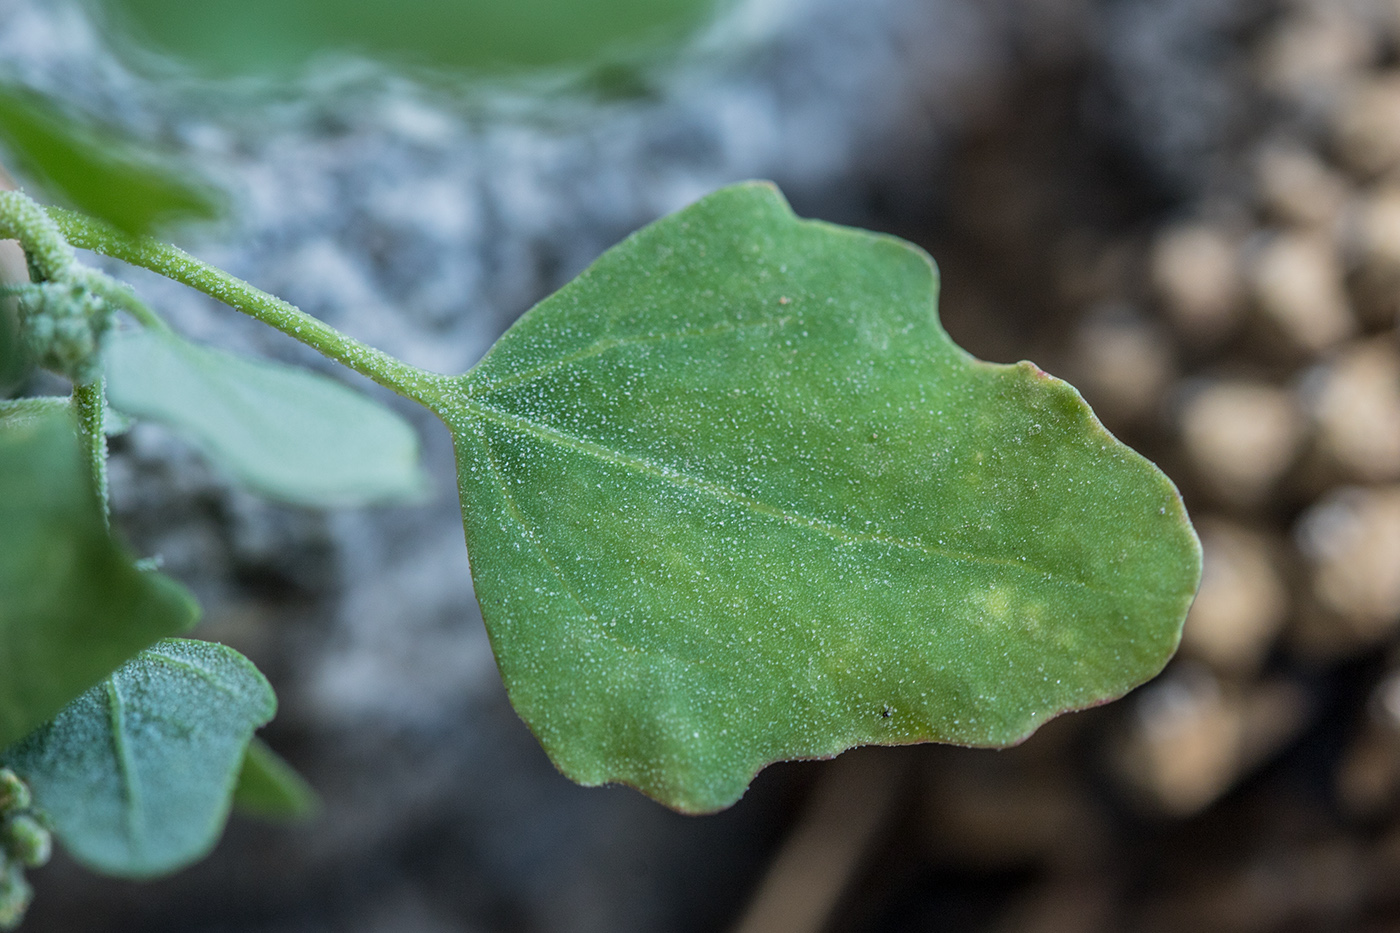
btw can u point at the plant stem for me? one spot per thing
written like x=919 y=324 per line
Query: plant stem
x=21 y=218
x=420 y=385
x=90 y=405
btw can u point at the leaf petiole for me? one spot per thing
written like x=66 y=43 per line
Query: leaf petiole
x=174 y=263
x=90 y=405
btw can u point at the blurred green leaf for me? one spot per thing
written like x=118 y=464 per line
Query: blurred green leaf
x=72 y=605
x=278 y=36
x=733 y=496
x=289 y=433
x=13 y=363
x=96 y=169
x=271 y=789
x=137 y=774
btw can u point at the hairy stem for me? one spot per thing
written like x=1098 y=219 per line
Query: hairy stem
x=90 y=405
x=174 y=263
x=21 y=218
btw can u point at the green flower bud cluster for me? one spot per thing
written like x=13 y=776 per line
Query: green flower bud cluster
x=24 y=843
x=64 y=324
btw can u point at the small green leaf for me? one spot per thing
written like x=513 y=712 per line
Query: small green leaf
x=96 y=169
x=733 y=496
x=270 y=788
x=286 y=432
x=72 y=604
x=137 y=774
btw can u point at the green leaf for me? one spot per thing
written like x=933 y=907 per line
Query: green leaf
x=277 y=36
x=12 y=356
x=137 y=774
x=733 y=496
x=286 y=432
x=96 y=169
x=73 y=606
x=270 y=788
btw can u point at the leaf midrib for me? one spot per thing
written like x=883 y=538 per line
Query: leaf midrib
x=608 y=344
x=721 y=493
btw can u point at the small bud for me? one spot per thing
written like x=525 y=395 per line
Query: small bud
x=27 y=841
x=14 y=794
x=64 y=325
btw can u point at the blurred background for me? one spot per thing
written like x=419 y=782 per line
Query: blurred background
x=1188 y=208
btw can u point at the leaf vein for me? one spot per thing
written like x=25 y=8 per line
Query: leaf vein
x=731 y=496
x=126 y=766
x=608 y=344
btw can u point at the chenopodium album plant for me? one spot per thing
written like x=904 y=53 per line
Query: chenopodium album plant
x=731 y=497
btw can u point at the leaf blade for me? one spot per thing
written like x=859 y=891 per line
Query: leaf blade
x=138 y=773
x=98 y=170
x=269 y=788
x=285 y=432
x=74 y=606
x=733 y=496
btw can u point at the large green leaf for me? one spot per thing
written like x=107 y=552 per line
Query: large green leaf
x=137 y=774
x=96 y=169
x=733 y=496
x=72 y=604
x=286 y=432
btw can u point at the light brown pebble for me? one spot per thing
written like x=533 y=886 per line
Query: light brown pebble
x=1378 y=229
x=1123 y=364
x=1367 y=125
x=1351 y=538
x=1196 y=275
x=1313 y=52
x=1242 y=436
x=1242 y=603
x=1193 y=737
x=1355 y=403
x=1297 y=281
x=1297 y=188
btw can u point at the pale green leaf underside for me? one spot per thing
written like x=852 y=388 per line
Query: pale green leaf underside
x=285 y=432
x=137 y=773
x=733 y=496
x=73 y=606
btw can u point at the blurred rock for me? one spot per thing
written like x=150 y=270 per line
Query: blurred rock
x=1313 y=52
x=1355 y=403
x=1241 y=437
x=1297 y=282
x=1352 y=539
x=1196 y=274
x=1193 y=737
x=1242 y=603
x=1367 y=125
x=1173 y=85
x=1122 y=364
x=1376 y=242
x=1297 y=188
x=1379 y=228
